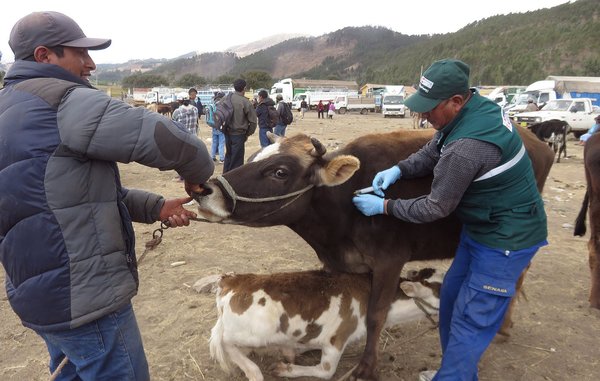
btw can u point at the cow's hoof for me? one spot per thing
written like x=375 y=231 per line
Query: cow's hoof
x=363 y=375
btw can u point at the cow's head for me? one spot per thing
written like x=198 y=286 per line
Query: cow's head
x=276 y=184
x=425 y=284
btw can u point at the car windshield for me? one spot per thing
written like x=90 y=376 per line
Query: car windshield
x=393 y=100
x=558 y=105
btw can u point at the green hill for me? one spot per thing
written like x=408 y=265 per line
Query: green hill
x=518 y=48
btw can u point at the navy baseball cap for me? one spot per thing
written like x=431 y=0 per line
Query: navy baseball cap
x=442 y=80
x=50 y=29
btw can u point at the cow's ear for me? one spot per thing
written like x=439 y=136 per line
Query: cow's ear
x=338 y=170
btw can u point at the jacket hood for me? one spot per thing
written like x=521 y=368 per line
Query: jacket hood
x=267 y=102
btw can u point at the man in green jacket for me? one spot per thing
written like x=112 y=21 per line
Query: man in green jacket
x=481 y=172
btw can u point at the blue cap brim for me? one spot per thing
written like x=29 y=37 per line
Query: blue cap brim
x=419 y=103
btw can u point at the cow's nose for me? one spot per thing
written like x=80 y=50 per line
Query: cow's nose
x=205 y=192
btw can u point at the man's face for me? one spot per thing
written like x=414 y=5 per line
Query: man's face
x=192 y=95
x=75 y=60
x=444 y=112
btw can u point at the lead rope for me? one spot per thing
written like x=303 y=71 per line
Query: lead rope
x=58 y=369
x=235 y=197
x=422 y=304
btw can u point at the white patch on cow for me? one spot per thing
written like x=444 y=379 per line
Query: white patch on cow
x=212 y=207
x=267 y=152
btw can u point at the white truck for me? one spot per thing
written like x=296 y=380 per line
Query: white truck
x=312 y=98
x=556 y=87
x=288 y=88
x=579 y=113
x=392 y=102
x=362 y=104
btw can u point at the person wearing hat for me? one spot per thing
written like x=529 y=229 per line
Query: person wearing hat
x=481 y=172
x=242 y=125
x=66 y=233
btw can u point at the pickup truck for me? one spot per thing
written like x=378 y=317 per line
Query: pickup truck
x=364 y=105
x=579 y=113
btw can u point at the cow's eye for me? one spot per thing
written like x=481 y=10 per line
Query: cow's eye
x=281 y=173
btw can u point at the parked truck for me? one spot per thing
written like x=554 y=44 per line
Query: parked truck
x=503 y=95
x=556 y=87
x=288 y=88
x=392 y=102
x=579 y=113
x=362 y=104
x=312 y=98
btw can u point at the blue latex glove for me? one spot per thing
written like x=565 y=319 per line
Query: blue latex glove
x=368 y=204
x=385 y=178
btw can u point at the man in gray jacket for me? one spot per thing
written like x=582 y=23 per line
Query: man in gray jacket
x=66 y=234
x=242 y=125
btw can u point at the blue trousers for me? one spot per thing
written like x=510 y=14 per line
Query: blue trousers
x=475 y=295
x=234 y=153
x=218 y=144
x=108 y=349
x=262 y=136
x=280 y=129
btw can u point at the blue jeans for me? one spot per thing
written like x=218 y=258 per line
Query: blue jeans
x=218 y=144
x=234 y=153
x=262 y=136
x=475 y=295
x=107 y=349
x=280 y=129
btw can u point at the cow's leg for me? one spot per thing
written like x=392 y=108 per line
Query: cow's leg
x=594 y=261
x=249 y=368
x=592 y=169
x=330 y=357
x=383 y=289
x=594 y=248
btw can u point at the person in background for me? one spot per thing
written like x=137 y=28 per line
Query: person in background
x=330 y=109
x=320 y=110
x=281 y=106
x=187 y=115
x=195 y=101
x=594 y=129
x=243 y=124
x=531 y=106
x=262 y=113
x=66 y=235
x=482 y=172
x=303 y=107
x=218 y=137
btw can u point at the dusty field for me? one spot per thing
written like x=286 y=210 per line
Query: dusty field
x=555 y=335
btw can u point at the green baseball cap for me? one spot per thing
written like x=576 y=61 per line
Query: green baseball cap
x=441 y=80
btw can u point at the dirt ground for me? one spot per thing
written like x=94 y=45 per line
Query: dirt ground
x=555 y=336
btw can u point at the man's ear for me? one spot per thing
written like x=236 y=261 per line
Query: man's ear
x=42 y=54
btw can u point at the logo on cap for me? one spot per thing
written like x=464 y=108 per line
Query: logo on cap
x=425 y=84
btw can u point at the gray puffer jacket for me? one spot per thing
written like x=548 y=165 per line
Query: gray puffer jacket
x=66 y=234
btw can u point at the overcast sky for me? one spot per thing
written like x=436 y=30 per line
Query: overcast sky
x=167 y=29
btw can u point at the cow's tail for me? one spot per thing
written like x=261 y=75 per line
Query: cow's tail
x=217 y=350
x=580 y=221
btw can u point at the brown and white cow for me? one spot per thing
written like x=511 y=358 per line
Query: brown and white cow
x=296 y=312
x=293 y=182
x=591 y=158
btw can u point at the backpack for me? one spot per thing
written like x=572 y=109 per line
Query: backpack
x=273 y=116
x=286 y=115
x=220 y=113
